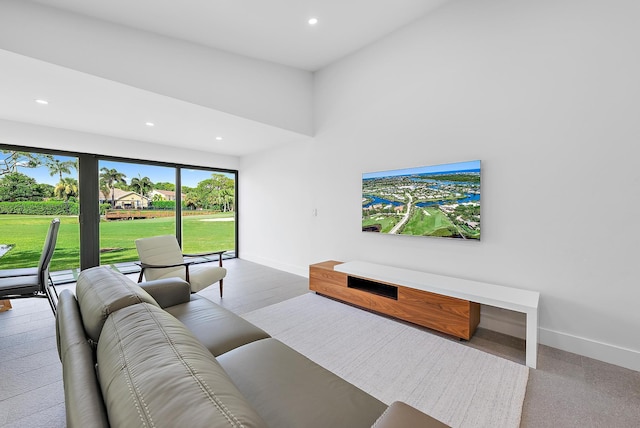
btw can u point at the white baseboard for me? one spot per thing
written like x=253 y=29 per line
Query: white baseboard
x=294 y=269
x=606 y=352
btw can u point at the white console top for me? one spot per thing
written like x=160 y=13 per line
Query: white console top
x=489 y=294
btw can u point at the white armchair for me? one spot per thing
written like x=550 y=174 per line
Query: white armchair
x=161 y=257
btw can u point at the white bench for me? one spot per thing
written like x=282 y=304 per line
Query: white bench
x=513 y=299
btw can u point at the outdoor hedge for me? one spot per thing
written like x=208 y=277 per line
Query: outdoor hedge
x=40 y=208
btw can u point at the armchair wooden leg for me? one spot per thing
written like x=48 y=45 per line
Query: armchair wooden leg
x=221 y=289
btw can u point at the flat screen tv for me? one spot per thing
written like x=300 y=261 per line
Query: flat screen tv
x=439 y=200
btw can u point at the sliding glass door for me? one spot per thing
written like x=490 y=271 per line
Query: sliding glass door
x=135 y=202
x=34 y=189
x=208 y=211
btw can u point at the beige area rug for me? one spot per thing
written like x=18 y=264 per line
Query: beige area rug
x=459 y=385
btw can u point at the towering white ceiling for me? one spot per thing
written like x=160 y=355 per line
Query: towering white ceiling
x=272 y=30
x=199 y=69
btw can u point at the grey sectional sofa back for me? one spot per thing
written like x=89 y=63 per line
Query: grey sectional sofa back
x=102 y=291
x=154 y=372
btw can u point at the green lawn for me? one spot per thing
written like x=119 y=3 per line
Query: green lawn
x=117 y=238
x=428 y=222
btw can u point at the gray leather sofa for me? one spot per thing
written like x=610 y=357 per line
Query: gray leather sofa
x=155 y=355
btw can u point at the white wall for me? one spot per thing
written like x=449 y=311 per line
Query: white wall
x=546 y=94
x=30 y=135
x=258 y=90
x=275 y=207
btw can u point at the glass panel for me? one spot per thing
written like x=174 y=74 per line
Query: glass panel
x=130 y=208
x=208 y=215
x=34 y=189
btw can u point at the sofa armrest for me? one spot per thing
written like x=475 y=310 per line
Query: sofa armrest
x=400 y=415
x=83 y=399
x=168 y=291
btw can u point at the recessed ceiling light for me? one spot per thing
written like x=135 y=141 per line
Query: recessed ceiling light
x=219 y=138
x=312 y=21
x=41 y=101
x=150 y=124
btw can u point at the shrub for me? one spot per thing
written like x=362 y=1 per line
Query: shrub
x=40 y=208
x=163 y=205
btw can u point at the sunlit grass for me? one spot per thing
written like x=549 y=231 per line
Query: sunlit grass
x=117 y=238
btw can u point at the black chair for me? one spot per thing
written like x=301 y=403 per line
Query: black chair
x=32 y=282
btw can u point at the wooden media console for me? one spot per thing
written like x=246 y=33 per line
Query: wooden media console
x=450 y=315
x=447 y=304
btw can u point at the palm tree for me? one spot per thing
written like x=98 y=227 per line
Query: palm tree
x=67 y=188
x=104 y=189
x=227 y=199
x=109 y=177
x=141 y=185
x=191 y=200
x=56 y=166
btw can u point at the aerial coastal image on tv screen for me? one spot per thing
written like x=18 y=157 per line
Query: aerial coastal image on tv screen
x=439 y=200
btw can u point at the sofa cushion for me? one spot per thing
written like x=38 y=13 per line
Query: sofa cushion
x=217 y=328
x=102 y=291
x=289 y=390
x=154 y=372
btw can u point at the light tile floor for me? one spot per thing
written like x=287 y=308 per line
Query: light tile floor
x=567 y=390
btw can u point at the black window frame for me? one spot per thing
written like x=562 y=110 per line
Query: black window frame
x=89 y=217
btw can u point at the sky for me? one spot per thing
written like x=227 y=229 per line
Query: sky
x=190 y=177
x=449 y=167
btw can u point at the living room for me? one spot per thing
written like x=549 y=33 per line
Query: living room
x=544 y=93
